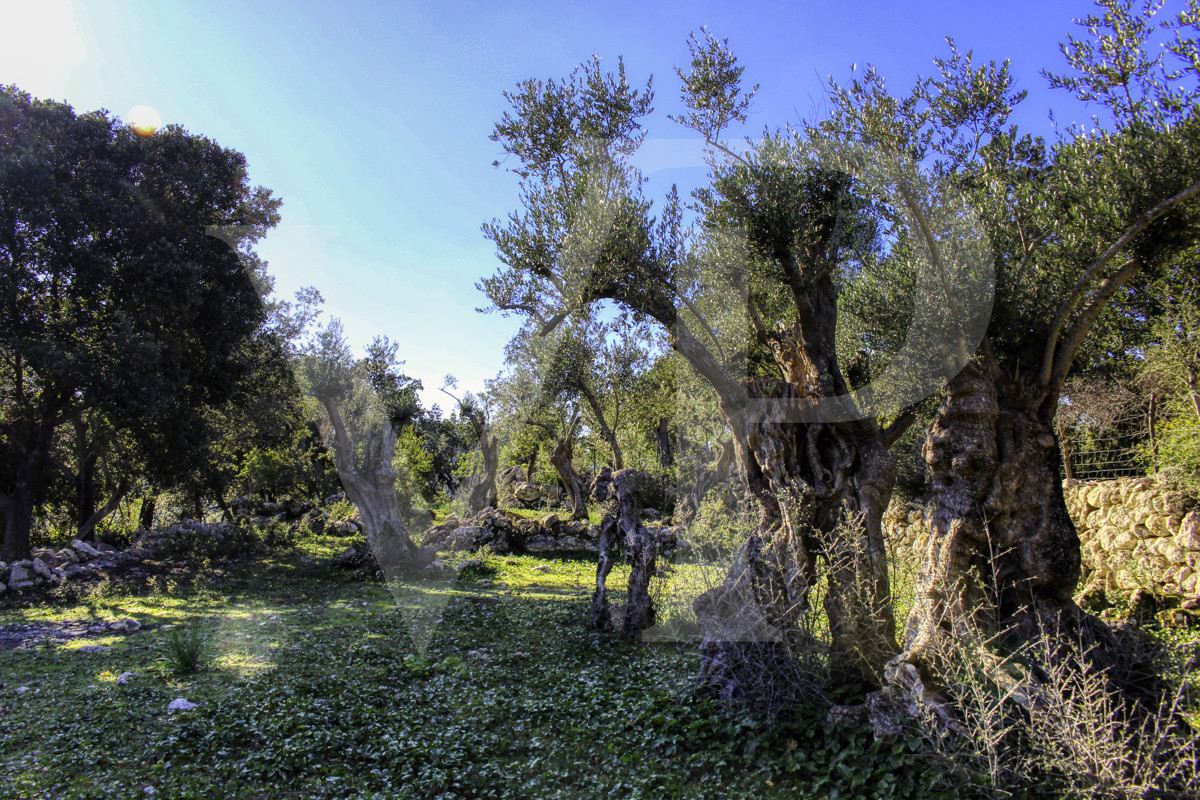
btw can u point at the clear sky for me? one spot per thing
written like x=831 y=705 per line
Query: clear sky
x=371 y=120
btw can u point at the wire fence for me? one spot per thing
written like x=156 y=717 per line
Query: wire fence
x=1106 y=432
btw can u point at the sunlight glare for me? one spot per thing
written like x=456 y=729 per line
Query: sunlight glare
x=145 y=120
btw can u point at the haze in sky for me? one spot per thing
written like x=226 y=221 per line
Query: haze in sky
x=371 y=120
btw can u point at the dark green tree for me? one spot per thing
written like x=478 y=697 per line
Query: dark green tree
x=115 y=297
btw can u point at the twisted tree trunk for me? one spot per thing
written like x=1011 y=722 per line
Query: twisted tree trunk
x=483 y=495
x=370 y=483
x=573 y=485
x=1003 y=554
x=821 y=489
x=599 y=615
x=627 y=489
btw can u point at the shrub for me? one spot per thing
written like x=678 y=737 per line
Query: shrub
x=186 y=650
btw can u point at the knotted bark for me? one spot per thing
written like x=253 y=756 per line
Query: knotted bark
x=627 y=488
x=1003 y=554
x=821 y=489
x=561 y=458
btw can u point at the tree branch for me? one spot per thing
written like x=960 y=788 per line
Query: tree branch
x=1066 y=354
x=1049 y=356
x=892 y=433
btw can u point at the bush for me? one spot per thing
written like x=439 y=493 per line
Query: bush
x=718 y=530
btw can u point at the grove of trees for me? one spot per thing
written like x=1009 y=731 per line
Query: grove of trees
x=908 y=285
x=1036 y=253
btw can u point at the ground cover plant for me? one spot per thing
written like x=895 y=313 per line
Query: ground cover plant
x=311 y=686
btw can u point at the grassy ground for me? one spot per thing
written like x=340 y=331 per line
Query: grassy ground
x=320 y=683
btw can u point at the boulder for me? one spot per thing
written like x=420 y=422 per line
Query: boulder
x=510 y=475
x=85 y=551
x=41 y=570
x=20 y=577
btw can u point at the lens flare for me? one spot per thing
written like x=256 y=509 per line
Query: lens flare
x=145 y=120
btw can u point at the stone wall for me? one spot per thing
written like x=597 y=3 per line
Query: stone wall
x=1133 y=534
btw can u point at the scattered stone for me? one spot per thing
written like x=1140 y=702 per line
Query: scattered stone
x=127 y=625
x=541 y=568
x=95 y=648
x=124 y=678
x=181 y=704
x=22 y=689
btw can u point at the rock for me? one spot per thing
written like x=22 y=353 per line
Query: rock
x=651 y=514
x=104 y=547
x=41 y=570
x=526 y=492
x=124 y=678
x=541 y=568
x=181 y=704
x=471 y=563
x=550 y=521
x=127 y=625
x=95 y=648
x=1189 y=532
x=510 y=475
x=436 y=564
x=20 y=577
x=335 y=498
x=85 y=551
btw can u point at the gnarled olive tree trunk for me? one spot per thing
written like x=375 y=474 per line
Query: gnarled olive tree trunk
x=821 y=488
x=627 y=488
x=484 y=494
x=561 y=457
x=1003 y=554
x=370 y=482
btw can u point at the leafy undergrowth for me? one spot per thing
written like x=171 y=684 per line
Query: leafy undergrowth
x=312 y=686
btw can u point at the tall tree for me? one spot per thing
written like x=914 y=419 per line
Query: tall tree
x=1075 y=228
x=585 y=235
x=115 y=298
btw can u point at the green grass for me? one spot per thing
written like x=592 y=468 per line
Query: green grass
x=313 y=687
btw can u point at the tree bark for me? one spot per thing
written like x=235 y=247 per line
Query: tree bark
x=146 y=513
x=572 y=483
x=85 y=480
x=88 y=527
x=599 y=615
x=662 y=437
x=484 y=494
x=627 y=489
x=605 y=431
x=370 y=483
x=17 y=504
x=1003 y=554
x=822 y=488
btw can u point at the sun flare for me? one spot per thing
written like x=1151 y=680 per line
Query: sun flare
x=145 y=120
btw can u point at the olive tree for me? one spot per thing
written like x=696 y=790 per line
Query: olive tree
x=367 y=403
x=1077 y=228
x=779 y=228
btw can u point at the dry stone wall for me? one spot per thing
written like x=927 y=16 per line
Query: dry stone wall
x=1133 y=533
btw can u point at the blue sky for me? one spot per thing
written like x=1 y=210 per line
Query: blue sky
x=371 y=120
